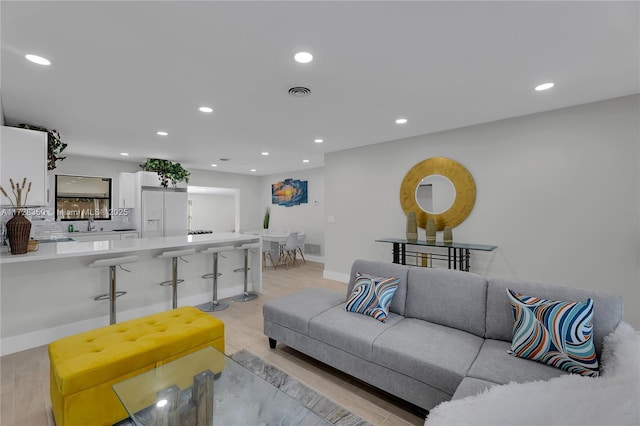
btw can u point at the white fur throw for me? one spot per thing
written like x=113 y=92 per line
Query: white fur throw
x=611 y=399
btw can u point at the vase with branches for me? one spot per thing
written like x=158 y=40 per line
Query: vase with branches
x=18 y=191
x=18 y=227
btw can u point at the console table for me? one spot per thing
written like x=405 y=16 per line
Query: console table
x=458 y=254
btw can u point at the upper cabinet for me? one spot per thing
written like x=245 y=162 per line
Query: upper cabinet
x=126 y=190
x=23 y=153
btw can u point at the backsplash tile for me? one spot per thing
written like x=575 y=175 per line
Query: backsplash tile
x=43 y=224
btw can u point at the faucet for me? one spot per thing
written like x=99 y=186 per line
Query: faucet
x=90 y=223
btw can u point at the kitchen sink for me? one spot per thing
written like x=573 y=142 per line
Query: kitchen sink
x=55 y=240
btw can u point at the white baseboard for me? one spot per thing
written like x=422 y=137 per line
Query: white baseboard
x=21 y=342
x=336 y=276
x=312 y=258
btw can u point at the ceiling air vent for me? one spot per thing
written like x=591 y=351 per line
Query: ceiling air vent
x=299 y=92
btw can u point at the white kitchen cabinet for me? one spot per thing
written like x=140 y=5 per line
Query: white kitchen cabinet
x=128 y=235
x=23 y=153
x=126 y=184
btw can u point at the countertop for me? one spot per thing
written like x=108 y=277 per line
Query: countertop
x=67 y=249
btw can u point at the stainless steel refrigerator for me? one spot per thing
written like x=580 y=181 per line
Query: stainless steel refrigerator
x=164 y=212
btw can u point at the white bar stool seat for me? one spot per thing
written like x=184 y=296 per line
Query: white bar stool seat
x=174 y=281
x=111 y=296
x=215 y=304
x=246 y=295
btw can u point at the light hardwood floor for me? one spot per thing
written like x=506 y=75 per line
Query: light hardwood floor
x=24 y=386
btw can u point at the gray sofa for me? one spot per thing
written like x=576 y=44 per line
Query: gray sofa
x=446 y=337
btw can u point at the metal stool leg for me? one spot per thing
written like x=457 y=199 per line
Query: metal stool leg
x=214 y=305
x=174 y=281
x=112 y=294
x=246 y=295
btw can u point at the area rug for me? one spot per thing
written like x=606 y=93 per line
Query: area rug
x=323 y=407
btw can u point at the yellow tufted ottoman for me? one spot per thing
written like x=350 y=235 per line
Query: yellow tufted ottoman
x=86 y=365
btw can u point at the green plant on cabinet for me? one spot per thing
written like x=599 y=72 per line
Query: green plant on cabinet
x=167 y=171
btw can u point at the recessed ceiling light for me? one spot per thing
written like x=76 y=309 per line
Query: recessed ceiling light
x=124 y=153
x=253 y=170
x=303 y=57
x=214 y=165
x=401 y=121
x=38 y=59
x=544 y=86
x=265 y=153
x=305 y=161
x=205 y=109
x=161 y=133
x=319 y=140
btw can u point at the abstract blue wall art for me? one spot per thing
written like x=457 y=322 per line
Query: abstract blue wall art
x=289 y=192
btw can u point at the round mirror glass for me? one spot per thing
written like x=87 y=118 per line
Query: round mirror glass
x=435 y=194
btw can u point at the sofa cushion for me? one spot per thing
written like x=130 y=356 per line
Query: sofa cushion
x=372 y=296
x=434 y=354
x=453 y=298
x=554 y=332
x=494 y=364
x=382 y=269
x=607 y=308
x=351 y=333
x=295 y=310
x=471 y=386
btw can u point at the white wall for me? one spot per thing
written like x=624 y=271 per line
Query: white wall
x=557 y=192
x=249 y=186
x=89 y=166
x=1 y=111
x=308 y=217
x=214 y=212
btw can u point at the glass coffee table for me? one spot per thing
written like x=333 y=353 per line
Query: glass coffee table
x=209 y=388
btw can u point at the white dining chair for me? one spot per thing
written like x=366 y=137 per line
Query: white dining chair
x=301 y=240
x=267 y=250
x=290 y=248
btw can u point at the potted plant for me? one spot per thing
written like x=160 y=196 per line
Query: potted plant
x=55 y=146
x=267 y=216
x=167 y=171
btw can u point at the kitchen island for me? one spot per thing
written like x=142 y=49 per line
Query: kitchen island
x=49 y=293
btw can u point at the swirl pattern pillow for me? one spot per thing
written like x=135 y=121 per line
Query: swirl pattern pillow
x=556 y=333
x=372 y=296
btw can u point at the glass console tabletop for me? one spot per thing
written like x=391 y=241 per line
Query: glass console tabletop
x=225 y=393
x=456 y=245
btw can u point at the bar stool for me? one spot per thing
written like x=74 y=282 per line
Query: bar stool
x=174 y=281
x=215 y=305
x=246 y=295
x=111 y=296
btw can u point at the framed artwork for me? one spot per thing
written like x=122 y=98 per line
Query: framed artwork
x=289 y=192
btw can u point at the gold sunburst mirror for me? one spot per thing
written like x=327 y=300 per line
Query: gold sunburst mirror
x=438 y=188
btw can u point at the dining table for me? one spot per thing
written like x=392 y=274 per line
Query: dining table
x=277 y=240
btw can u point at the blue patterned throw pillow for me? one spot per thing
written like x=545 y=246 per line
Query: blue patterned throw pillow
x=556 y=333
x=372 y=296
